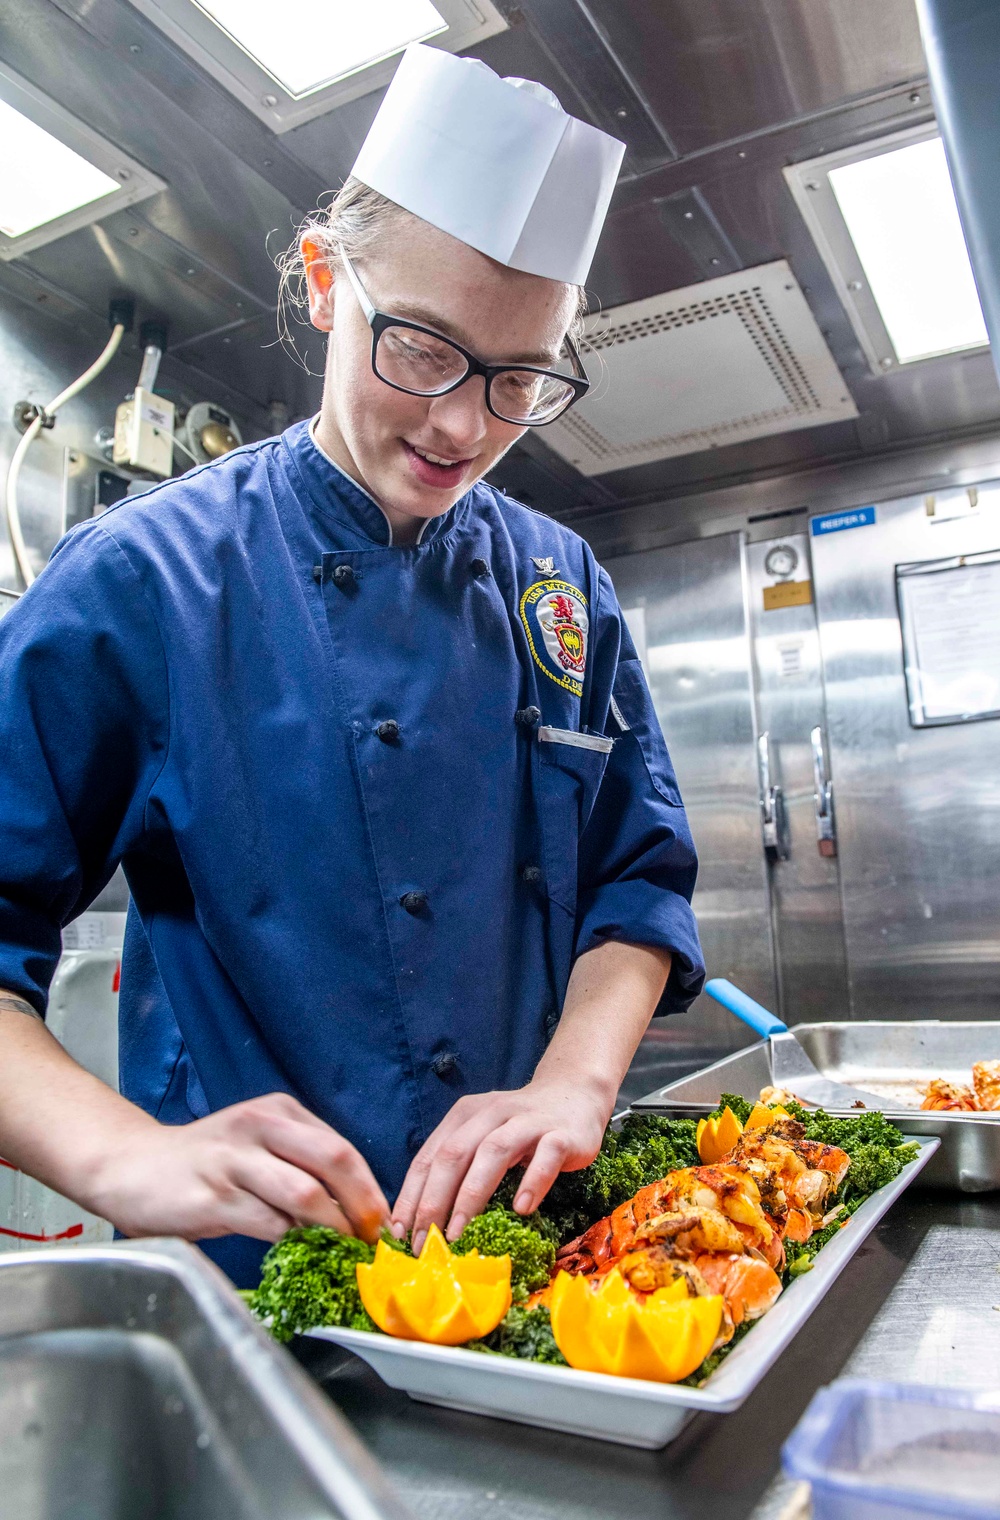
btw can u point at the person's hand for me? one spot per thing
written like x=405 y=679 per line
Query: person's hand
x=254 y=1169
x=553 y=1126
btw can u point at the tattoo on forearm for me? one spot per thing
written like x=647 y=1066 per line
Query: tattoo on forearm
x=11 y=1004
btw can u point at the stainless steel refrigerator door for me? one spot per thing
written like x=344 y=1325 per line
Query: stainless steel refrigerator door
x=918 y=809
x=805 y=887
x=687 y=609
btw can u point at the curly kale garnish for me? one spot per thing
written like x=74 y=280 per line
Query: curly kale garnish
x=643 y=1150
x=741 y=1107
x=308 y=1279
x=499 y=1232
x=524 y=1333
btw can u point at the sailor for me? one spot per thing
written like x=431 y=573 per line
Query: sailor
x=409 y=869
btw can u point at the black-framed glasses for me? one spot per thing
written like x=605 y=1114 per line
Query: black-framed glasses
x=419 y=361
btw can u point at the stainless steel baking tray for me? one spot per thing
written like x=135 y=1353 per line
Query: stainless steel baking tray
x=888 y=1058
x=630 y=1411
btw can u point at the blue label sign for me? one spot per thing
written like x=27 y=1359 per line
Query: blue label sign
x=836 y=522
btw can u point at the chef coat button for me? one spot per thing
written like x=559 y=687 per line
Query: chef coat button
x=478 y=568
x=317 y=573
x=388 y=731
x=413 y=902
x=344 y=577
x=443 y=1065
x=531 y=874
x=527 y=717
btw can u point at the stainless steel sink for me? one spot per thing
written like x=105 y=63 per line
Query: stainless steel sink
x=134 y=1386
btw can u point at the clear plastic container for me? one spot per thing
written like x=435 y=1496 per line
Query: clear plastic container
x=889 y=1451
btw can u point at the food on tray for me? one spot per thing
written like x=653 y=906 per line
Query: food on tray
x=310 y=1276
x=649 y=1217
x=982 y=1097
x=664 y=1335
x=437 y=1296
x=986 y=1081
x=943 y=1095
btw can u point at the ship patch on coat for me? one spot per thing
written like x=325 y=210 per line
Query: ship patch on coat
x=555 y=618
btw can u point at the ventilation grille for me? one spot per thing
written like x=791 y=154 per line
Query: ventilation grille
x=718 y=363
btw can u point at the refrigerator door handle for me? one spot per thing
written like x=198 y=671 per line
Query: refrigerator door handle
x=773 y=818
x=826 y=828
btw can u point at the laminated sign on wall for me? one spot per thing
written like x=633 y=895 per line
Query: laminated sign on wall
x=949 y=610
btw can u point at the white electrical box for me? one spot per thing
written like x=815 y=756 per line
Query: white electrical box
x=144 y=433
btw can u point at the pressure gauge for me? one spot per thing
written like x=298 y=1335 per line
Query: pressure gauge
x=781 y=561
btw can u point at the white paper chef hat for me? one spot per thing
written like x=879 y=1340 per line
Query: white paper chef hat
x=496 y=162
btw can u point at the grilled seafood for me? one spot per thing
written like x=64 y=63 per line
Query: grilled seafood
x=944 y=1096
x=983 y=1097
x=691 y=1230
x=721 y=1228
x=986 y=1081
x=793 y=1175
x=653 y=1267
x=725 y=1189
x=748 y=1286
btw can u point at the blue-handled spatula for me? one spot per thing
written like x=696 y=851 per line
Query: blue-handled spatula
x=791 y=1068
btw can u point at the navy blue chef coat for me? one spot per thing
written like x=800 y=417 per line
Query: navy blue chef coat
x=195 y=686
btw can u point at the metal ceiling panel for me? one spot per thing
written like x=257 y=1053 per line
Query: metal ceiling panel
x=715 y=70
x=720 y=362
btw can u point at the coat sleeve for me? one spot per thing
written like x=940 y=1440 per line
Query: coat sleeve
x=637 y=863
x=83 y=732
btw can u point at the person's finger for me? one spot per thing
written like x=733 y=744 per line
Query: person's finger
x=551 y=1154
x=450 y=1167
x=498 y=1152
x=405 y=1208
x=404 y=1211
x=248 y=1215
x=296 y=1194
x=335 y=1163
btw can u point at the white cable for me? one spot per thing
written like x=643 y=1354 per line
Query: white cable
x=185 y=450
x=10 y=492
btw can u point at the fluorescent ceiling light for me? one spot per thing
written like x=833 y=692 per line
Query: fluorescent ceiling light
x=320 y=41
x=291 y=61
x=40 y=178
x=56 y=174
x=886 y=223
x=900 y=210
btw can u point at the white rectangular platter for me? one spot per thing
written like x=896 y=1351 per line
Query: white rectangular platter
x=627 y=1410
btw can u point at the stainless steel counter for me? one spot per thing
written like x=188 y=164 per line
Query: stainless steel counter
x=917 y=1303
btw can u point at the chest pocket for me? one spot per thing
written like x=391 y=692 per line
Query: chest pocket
x=568 y=768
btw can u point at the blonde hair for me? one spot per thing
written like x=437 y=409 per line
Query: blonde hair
x=355 y=220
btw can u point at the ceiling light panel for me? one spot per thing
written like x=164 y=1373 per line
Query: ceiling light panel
x=290 y=64
x=318 y=42
x=885 y=221
x=56 y=174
